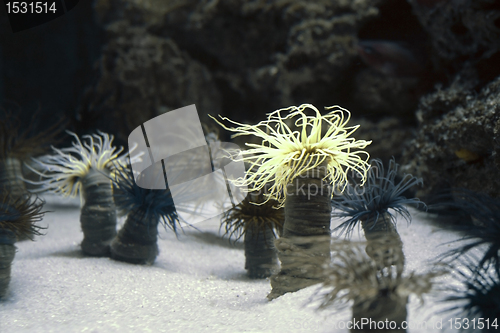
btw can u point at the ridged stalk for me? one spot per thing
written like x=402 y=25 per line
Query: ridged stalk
x=384 y=244
x=7 y=253
x=385 y=247
x=98 y=215
x=382 y=310
x=11 y=177
x=136 y=242
x=307 y=218
x=260 y=253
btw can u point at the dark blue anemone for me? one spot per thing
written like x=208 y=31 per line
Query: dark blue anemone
x=478 y=298
x=147 y=204
x=381 y=192
x=484 y=231
x=19 y=215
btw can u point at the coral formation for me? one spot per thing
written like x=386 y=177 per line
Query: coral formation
x=221 y=56
x=388 y=136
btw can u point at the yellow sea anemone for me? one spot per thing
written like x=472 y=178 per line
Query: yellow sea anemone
x=285 y=153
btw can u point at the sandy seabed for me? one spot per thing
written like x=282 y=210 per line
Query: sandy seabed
x=197 y=284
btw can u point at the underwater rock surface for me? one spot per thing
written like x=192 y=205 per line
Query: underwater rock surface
x=458 y=142
x=257 y=56
x=461 y=28
x=413 y=73
x=141 y=76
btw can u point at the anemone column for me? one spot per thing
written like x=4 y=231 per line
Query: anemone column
x=98 y=214
x=20 y=140
x=260 y=253
x=136 y=241
x=381 y=233
x=259 y=222
x=7 y=253
x=11 y=176
x=306 y=230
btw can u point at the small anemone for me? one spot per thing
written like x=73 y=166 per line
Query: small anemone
x=19 y=215
x=380 y=193
x=20 y=141
x=484 y=232
x=479 y=294
x=252 y=215
x=147 y=204
x=353 y=277
x=63 y=171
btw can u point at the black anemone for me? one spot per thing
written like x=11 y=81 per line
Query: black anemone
x=247 y=215
x=147 y=204
x=382 y=191
x=19 y=215
x=136 y=241
x=20 y=141
x=258 y=221
x=484 y=231
x=479 y=296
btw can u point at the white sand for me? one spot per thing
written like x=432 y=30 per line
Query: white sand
x=197 y=284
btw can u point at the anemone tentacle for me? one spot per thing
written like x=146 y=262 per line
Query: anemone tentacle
x=285 y=154
x=62 y=172
x=379 y=195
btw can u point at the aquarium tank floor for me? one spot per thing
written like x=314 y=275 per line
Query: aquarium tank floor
x=197 y=284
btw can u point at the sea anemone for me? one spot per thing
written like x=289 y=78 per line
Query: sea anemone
x=18 y=143
x=375 y=292
x=286 y=154
x=83 y=169
x=477 y=301
x=65 y=170
x=379 y=195
x=259 y=223
x=20 y=215
x=484 y=231
x=299 y=168
x=371 y=204
x=18 y=220
x=136 y=241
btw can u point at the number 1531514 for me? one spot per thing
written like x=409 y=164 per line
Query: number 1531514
x=34 y=7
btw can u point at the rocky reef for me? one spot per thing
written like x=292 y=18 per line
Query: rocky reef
x=420 y=76
x=458 y=142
